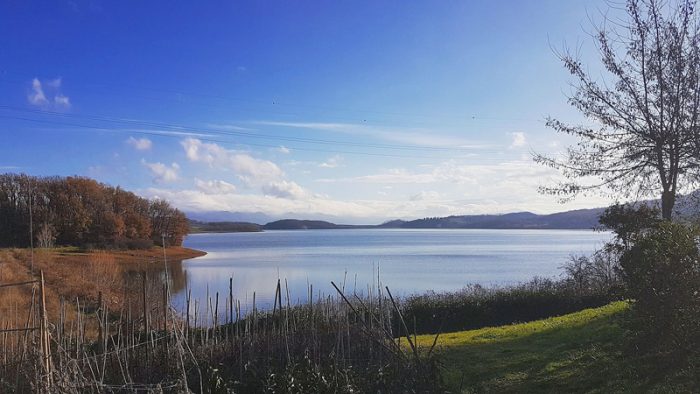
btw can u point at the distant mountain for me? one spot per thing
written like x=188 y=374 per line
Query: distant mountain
x=686 y=206
x=228 y=216
x=223 y=227
x=578 y=219
x=295 y=224
x=392 y=224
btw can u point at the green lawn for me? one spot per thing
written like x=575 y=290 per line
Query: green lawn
x=579 y=352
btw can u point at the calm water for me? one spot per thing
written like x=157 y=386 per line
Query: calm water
x=410 y=261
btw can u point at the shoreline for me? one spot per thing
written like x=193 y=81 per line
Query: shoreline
x=72 y=273
x=404 y=228
x=173 y=253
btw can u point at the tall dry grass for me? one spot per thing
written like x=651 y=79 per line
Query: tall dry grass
x=339 y=343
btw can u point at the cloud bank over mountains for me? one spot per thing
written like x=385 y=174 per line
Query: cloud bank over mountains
x=242 y=182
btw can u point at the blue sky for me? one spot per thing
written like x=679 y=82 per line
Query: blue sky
x=355 y=111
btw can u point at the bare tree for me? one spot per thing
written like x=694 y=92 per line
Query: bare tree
x=46 y=236
x=645 y=139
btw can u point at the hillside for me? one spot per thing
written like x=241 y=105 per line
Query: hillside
x=223 y=227
x=295 y=224
x=228 y=216
x=578 y=219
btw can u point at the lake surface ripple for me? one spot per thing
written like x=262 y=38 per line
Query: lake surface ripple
x=408 y=261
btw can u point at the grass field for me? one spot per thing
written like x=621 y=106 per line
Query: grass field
x=578 y=352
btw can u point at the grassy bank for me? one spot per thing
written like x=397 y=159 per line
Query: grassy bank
x=578 y=352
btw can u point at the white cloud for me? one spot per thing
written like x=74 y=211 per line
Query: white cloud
x=425 y=195
x=140 y=143
x=226 y=127
x=61 y=101
x=162 y=173
x=262 y=174
x=310 y=206
x=252 y=170
x=165 y=132
x=451 y=188
x=518 y=139
x=511 y=186
x=214 y=186
x=191 y=146
x=246 y=167
x=283 y=149
x=455 y=189
x=351 y=211
x=332 y=162
x=404 y=135
x=38 y=97
x=394 y=176
x=284 y=189
x=454 y=173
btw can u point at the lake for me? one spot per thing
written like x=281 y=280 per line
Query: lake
x=409 y=261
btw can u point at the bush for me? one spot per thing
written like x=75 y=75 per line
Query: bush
x=595 y=274
x=133 y=244
x=661 y=271
x=476 y=306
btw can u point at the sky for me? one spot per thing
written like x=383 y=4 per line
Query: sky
x=359 y=112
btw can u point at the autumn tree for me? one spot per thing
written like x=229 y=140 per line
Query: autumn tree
x=83 y=212
x=169 y=224
x=643 y=137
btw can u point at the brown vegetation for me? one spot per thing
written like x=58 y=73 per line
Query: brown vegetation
x=73 y=274
x=82 y=212
x=132 y=340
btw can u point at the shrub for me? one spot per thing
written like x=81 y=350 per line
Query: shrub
x=595 y=274
x=661 y=271
x=133 y=244
x=476 y=306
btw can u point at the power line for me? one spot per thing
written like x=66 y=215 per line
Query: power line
x=205 y=139
x=213 y=140
x=278 y=103
x=181 y=128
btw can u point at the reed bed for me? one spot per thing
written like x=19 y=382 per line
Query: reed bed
x=340 y=343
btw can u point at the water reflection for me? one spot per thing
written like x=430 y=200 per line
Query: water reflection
x=176 y=276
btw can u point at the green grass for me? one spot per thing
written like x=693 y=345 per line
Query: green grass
x=578 y=352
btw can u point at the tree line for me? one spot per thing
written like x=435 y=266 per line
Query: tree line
x=79 y=211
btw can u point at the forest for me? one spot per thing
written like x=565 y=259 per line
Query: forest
x=79 y=211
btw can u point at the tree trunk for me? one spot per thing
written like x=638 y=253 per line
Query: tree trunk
x=668 y=199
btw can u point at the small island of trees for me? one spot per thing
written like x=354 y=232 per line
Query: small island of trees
x=82 y=212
